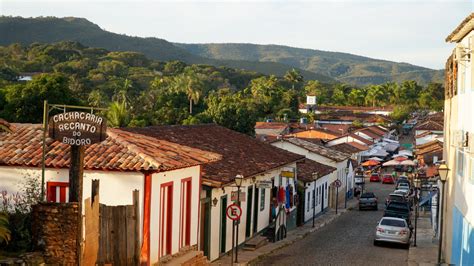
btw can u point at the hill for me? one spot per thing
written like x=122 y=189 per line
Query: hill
x=343 y=67
x=51 y=29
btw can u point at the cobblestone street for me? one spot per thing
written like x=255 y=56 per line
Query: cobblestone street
x=346 y=241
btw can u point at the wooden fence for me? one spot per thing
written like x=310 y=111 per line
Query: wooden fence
x=117 y=233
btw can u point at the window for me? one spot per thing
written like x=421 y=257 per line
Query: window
x=262 y=200
x=309 y=201
x=57 y=192
x=317 y=196
x=460 y=163
x=471 y=177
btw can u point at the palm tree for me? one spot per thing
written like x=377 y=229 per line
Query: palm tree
x=375 y=95
x=4 y=231
x=118 y=115
x=191 y=84
x=293 y=76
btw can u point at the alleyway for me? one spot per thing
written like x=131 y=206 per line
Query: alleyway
x=346 y=241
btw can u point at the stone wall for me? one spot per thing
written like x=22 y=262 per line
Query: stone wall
x=54 y=227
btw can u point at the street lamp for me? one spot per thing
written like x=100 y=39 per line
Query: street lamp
x=417 y=183
x=238 y=183
x=443 y=176
x=345 y=198
x=315 y=177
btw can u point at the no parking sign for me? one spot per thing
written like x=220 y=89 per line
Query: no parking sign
x=233 y=212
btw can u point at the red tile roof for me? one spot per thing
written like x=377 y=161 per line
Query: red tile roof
x=241 y=154
x=430 y=125
x=357 y=145
x=346 y=148
x=121 y=151
x=307 y=167
x=319 y=149
x=370 y=133
x=270 y=125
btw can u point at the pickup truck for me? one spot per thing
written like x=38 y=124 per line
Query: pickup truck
x=368 y=200
x=398 y=209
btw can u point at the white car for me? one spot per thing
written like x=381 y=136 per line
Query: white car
x=393 y=230
x=403 y=186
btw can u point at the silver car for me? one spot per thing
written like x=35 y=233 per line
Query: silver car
x=394 y=230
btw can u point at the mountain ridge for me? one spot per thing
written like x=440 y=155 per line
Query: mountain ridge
x=325 y=66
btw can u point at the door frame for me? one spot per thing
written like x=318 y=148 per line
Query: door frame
x=223 y=225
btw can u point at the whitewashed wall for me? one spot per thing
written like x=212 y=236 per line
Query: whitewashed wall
x=174 y=176
x=263 y=215
x=309 y=190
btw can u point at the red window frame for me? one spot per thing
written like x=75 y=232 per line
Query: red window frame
x=51 y=191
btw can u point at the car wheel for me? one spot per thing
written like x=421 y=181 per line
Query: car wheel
x=407 y=246
x=376 y=243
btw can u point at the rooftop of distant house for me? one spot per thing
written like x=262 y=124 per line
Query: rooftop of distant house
x=318 y=149
x=346 y=148
x=241 y=154
x=430 y=125
x=307 y=168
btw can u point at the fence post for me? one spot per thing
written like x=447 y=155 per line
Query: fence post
x=136 y=207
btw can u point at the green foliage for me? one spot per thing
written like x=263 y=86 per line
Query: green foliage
x=118 y=115
x=5 y=234
x=401 y=113
x=24 y=102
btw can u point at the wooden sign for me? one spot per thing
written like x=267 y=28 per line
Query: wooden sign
x=77 y=128
x=287 y=174
x=233 y=196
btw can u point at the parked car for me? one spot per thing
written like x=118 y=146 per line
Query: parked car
x=398 y=210
x=405 y=193
x=387 y=179
x=375 y=177
x=396 y=197
x=393 y=230
x=402 y=177
x=368 y=200
x=403 y=186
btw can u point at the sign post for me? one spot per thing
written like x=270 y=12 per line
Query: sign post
x=338 y=184
x=234 y=212
x=77 y=129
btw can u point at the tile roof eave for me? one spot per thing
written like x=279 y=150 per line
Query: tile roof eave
x=223 y=184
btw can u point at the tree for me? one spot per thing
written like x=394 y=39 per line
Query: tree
x=375 y=95
x=315 y=88
x=24 y=102
x=192 y=85
x=231 y=111
x=356 y=97
x=118 y=115
x=294 y=77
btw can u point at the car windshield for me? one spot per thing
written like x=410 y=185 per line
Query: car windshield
x=368 y=195
x=398 y=206
x=396 y=197
x=392 y=222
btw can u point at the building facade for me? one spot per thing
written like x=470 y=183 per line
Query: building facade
x=458 y=210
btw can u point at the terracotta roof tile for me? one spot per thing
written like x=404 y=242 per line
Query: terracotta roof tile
x=307 y=167
x=430 y=125
x=346 y=148
x=319 y=149
x=121 y=151
x=241 y=154
x=357 y=145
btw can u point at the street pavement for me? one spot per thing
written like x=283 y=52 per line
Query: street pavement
x=346 y=241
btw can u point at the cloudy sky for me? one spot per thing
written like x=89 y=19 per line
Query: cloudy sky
x=398 y=30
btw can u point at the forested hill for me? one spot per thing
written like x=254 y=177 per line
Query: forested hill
x=344 y=67
x=51 y=30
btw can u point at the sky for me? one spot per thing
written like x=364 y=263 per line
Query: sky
x=396 y=30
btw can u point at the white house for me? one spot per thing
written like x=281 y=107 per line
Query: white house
x=257 y=162
x=320 y=154
x=458 y=228
x=167 y=175
x=315 y=179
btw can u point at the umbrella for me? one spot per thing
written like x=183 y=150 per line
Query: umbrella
x=400 y=159
x=375 y=159
x=408 y=162
x=391 y=163
x=370 y=163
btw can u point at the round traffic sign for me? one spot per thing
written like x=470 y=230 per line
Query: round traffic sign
x=338 y=183
x=233 y=212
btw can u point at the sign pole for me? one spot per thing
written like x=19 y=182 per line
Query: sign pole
x=76 y=172
x=233 y=243
x=337 y=197
x=43 y=156
x=237 y=222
